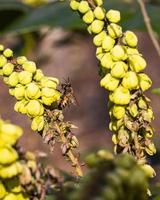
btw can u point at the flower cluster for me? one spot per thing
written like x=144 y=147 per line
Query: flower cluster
x=10 y=163
x=39 y=98
x=32 y=90
x=121 y=70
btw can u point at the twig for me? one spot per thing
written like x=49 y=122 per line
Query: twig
x=149 y=26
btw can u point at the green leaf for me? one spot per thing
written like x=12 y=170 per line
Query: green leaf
x=11 y=11
x=60 y=15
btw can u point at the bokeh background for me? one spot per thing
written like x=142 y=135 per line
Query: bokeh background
x=55 y=38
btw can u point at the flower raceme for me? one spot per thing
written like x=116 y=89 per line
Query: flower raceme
x=121 y=70
x=10 y=164
x=29 y=86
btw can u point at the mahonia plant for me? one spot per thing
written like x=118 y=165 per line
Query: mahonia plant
x=22 y=176
x=108 y=178
x=39 y=98
x=121 y=68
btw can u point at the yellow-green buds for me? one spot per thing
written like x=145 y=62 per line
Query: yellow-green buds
x=144 y=82
x=25 y=77
x=118 y=53
x=37 y=123
x=21 y=60
x=110 y=83
x=137 y=63
x=99 y=13
x=8 y=69
x=38 y=75
x=97 y=40
x=83 y=7
x=114 y=30
x=88 y=17
x=19 y=92
x=130 y=39
x=97 y=26
x=106 y=61
x=8 y=155
x=29 y=66
x=113 y=16
x=108 y=43
x=3 y=191
x=119 y=69
x=50 y=95
x=121 y=96
x=13 y=79
x=34 y=108
x=8 y=53
x=32 y=91
x=149 y=171
x=74 y=5
x=130 y=80
x=133 y=109
x=99 y=2
x=118 y=111
x=3 y=61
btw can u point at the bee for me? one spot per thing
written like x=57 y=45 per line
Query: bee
x=68 y=96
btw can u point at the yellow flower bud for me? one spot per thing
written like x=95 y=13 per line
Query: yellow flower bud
x=144 y=82
x=114 y=30
x=99 y=13
x=8 y=69
x=131 y=51
x=1 y=47
x=137 y=63
x=8 y=53
x=24 y=77
x=97 y=26
x=38 y=123
x=118 y=53
x=99 y=2
x=148 y=170
x=32 y=91
x=49 y=82
x=118 y=111
x=3 y=61
x=21 y=60
x=130 y=80
x=38 y=75
x=116 y=124
x=88 y=17
x=74 y=4
x=10 y=196
x=19 y=92
x=29 y=66
x=21 y=106
x=10 y=171
x=130 y=39
x=97 y=40
x=108 y=43
x=34 y=108
x=13 y=79
x=114 y=139
x=3 y=191
x=106 y=61
x=10 y=133
x=110 y=83
x=133 y=109
x=119 y=69
x=7 y=155
x=150 y=149
x=113 y=16
x=142 y=104
x=121 y=96
x=50 y=95
x=83 y=7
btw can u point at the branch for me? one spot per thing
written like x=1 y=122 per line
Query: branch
x=149 y=26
